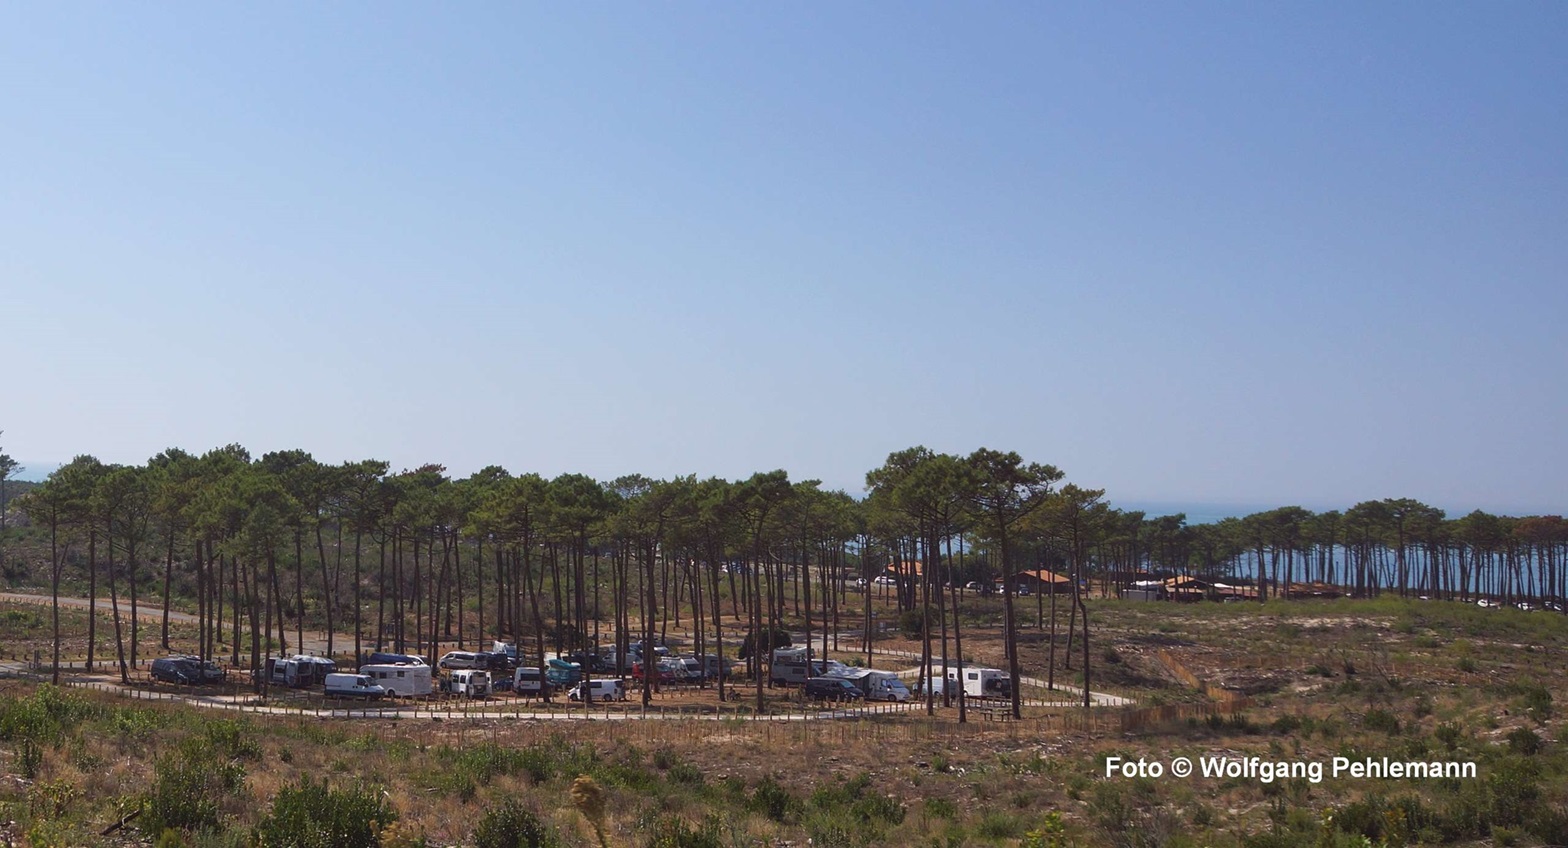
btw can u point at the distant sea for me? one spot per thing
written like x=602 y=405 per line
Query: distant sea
x=35 y=472
x=1197 y=513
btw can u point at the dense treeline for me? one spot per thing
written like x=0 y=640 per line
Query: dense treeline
x=418 y=562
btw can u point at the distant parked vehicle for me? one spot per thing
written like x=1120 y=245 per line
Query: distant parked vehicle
x=471 y=682
x=299 y=671
x=458 y=659
x=384 y=658
x=528 y=682
x=401 y=679
x=186 y=670
x=354 y=686
x=603 y=690
x=983 y=682
x=667 y=671
x=832 y=689
x=563 y=673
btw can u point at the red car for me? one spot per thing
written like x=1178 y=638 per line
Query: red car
x=666 y=672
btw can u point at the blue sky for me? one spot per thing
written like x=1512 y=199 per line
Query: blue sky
x=1211 y=253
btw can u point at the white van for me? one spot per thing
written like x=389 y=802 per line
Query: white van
x=603 y=690
x=529 y=683
x=402 y=679
x=354 y=686
x=471 y=682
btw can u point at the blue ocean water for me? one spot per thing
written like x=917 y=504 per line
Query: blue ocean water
x=1197 y=513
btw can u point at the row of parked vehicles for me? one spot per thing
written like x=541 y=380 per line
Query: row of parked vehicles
x=478 y=674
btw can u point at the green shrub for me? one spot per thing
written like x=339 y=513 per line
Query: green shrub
x=1449 y=734
x=685 y=773
x=186 y=790
x=228 y=739
x=511 y=825
x=913 y=623
x=1380 y=721
x=878 y=808
x=998 y=825
x=1523 y=740
x=29 y=759
x=941 y=808
x=672 y=832
x=45 y=716
x=772 y=800
x=312 y=815
x=1537 y=702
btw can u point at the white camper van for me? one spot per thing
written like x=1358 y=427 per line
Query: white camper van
x=354 y=686
x=471 y=682
x=984 y=682
x=401 y=680
x=603 y=690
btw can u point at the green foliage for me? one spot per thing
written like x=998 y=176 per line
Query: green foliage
x=999 y=824
x=771 y=799
x=772 y=637
x=941 y=808
x=312 y=815
x=670 y=831
x=29 y=758
x=913 y=623
x=1380 y=720
x=511 y=825
x=1523 y=740
x=1537 y=702
x=1052 y=833
x=228 y=739
x=186 y=790
x=45 y=716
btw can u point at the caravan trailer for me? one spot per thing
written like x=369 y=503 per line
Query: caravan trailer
x=984 y=682
x=401 y=679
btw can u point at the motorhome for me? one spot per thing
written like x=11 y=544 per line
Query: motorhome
x=984 y=682
x=471 y=682
x=400 y=679
x=299 y=671
x=876 y=685
x=354 y=686
x=791 y=668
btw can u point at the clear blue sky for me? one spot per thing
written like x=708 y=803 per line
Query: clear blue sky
x=1238 y=253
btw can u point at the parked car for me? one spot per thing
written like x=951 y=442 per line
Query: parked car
x=459 y=659
x=354 y=686
x=832 y=689
x=186 y=670
x=668 y=671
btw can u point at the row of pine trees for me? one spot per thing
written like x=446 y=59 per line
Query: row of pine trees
x=418 y=562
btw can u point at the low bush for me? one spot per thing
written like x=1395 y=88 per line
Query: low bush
x=771 y=799
x=312 y=815
x=187 y=788
x=512 y=825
